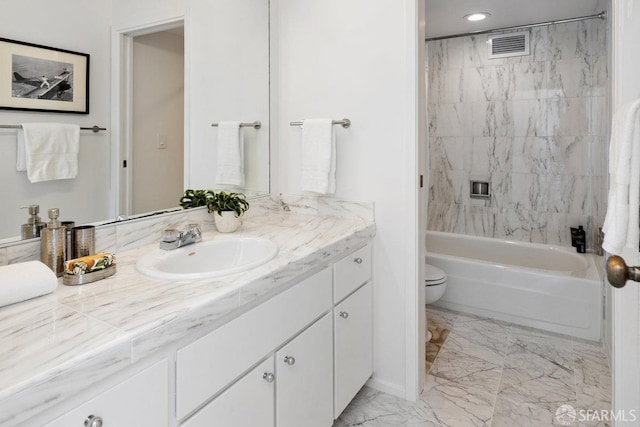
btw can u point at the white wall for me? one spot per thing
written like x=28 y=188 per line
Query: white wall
x=229 y=76
x=126 y=12
x=80 y=26
x=158 y=110
x=359 y=60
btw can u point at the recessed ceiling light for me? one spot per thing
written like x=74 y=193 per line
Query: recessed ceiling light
x=476 y=16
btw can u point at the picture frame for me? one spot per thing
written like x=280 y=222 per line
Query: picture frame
x=42 y=78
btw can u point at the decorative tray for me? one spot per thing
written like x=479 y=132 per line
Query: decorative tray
x=82 y=279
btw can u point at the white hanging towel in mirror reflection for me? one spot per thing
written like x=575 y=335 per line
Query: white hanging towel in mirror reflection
x=318 y=156
x=48 y=151
x=230 y=164
x=621 y=221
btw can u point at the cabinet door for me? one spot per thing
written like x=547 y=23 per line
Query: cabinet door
x=247 y=403
x=140 y=401
x=305 y=378
x=353 y=329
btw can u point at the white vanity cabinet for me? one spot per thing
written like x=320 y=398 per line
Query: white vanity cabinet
x=207 y=366
x=139 y=401
x=353 y=326
x=296 y=359
x=299 y=387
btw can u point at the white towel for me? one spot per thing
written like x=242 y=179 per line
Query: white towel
x=25 y=280
x=48 y=151
x=230 y=165
x=318 y=156
x=621 y=222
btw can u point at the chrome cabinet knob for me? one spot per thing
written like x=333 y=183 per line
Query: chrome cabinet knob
x=290 y=360
x=618 y=272
x=268 y=377
x=93 y=421
x=357 y=260
x=344 y=314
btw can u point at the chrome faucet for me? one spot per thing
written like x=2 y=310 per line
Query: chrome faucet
x=174 y=239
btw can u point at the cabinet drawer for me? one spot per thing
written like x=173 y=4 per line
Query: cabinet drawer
x=215 y=360
x=247 y=403
x=353 y=347
x=140 y=401
x=351 y=272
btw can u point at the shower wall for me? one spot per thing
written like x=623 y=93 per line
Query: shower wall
x=534 y=126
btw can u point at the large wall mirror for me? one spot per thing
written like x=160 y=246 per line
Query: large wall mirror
x=160 y=118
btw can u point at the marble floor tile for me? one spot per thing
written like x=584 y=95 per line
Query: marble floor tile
x=491 y=373
x=371 y=408
x=461 y=403
x=513 y=412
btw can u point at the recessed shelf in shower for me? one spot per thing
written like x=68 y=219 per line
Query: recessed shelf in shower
x=480 y=190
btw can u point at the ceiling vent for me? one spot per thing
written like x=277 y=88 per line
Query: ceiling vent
x=512 y=44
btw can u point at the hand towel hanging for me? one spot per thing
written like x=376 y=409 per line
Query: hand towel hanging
x=621 y=221
x=318 y=156
x=48 y=151
x=230 y=163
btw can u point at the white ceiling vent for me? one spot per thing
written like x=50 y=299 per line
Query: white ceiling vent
x=512 y=44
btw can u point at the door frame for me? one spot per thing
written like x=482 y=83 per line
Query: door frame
x=122 y=102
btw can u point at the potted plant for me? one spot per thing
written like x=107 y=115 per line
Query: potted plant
x=195 y=198
x=228 y=208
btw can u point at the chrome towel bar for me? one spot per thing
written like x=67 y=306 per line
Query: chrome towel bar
x=94 y=129
x=256 y=125
x=345 y=123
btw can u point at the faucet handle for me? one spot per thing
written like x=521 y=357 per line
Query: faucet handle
x=171 y=235
x=196 y=233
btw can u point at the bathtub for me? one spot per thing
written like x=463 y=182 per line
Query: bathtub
x=545 y=287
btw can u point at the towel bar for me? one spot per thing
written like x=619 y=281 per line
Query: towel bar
x=345 y=123
x=256 y=125
x=92 y=128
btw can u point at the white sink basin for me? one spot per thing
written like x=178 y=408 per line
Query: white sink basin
x=214 y=258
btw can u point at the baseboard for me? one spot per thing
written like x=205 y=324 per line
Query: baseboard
x=386 y=387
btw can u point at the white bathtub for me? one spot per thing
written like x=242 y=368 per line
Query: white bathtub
x=545 y=287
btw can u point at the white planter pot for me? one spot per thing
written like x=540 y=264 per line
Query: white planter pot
x=228 y=222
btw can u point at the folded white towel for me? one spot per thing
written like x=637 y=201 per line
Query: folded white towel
x=621 y=222
x=318 y=156
x=230 y=165
x=25 y=280
x=48 y=151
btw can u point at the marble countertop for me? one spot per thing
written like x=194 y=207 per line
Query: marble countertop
x=54 y=346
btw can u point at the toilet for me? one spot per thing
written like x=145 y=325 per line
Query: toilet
x=435 y=284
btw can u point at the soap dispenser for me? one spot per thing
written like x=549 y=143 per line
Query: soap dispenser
x=52 y=243
x=34 y=224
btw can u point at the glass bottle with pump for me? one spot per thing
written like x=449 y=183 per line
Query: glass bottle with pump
x=52 y=243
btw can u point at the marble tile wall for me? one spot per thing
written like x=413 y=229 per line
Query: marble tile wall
x=534 y=126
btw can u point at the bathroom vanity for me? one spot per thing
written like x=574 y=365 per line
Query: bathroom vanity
x=286 y=342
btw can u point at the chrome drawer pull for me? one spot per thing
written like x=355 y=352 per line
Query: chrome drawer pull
x=357 y=260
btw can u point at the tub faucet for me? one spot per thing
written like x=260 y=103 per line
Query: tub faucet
x=174 y=239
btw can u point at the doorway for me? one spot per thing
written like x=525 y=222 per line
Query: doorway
x=157 y=146
x=151 y=118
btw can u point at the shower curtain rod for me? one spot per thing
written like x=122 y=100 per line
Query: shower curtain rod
x=601 y=15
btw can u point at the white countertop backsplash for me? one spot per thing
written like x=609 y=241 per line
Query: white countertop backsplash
x=56 y=345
